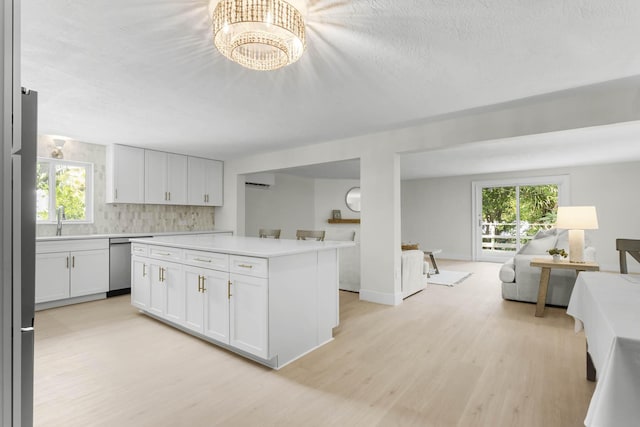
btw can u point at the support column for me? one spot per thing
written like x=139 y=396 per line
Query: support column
x=380 y=234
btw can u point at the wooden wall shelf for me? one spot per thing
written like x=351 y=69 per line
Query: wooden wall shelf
x=344 y=221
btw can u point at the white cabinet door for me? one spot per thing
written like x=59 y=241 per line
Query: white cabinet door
x=194 y=300
x=195 y=181
x=249 y=314
x=52 y=276
x=166 y=290
x=205 y=182
x=213 y=180
x=174 y=285
x=140 y=283
x=177 y=179
x=157 y=290
x=155 y=177
x=165 y=178
x=216 y=304
x=89 y=272
x=207 y=302
x=125 y=174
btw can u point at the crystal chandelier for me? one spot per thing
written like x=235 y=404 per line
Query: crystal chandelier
x=258 y=34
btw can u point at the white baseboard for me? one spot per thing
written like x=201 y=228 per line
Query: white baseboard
x=381 y=297
x=68 y=301
x=454 y=257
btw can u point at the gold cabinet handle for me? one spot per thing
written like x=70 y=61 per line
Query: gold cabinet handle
x=203 y=288
x=67 y=262
x=229 y=289
x=202 y=260
x=159 y=274
x=245 y=265
x=164 y=270
x=144 y=270
x=163 y=253
x=199 y=283
x=116 y=196
x=73 y=262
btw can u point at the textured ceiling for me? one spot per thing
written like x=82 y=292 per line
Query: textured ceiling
x=145 y=72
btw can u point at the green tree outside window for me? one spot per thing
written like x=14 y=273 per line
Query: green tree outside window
x=63 y=183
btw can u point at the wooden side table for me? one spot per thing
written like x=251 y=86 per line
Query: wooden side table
x=546 y=266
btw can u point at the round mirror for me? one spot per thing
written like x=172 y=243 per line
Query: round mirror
x=353 y=199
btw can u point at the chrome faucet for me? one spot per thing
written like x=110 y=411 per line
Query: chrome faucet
x=59 y=216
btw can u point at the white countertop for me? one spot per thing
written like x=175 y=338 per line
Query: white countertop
x=124 y=235
x=247 y=246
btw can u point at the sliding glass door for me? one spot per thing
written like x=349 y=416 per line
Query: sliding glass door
x=509 y=213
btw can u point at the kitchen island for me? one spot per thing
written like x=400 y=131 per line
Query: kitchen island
x=269 y=300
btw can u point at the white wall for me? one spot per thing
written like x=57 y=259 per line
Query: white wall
x=329 y=195
x=306 y=203
x=288 y=205
x=437 y=212
x=380 y=169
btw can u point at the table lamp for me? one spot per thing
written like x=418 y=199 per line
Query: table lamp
x=576 y=219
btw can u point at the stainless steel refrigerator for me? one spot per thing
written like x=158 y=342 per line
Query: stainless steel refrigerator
x=23 y=242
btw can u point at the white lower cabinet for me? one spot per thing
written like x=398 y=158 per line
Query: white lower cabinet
x=89 y=272
x=229 y=308
x=52 y=276
x=207 y=302
x=272 y=310
x=140 y=283
x=166 y=290
x=71 y=269
x=249 y=315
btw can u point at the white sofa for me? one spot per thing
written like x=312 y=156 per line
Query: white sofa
x=414 y=278
x=520 y=281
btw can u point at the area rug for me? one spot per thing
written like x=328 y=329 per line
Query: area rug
x=448 y=278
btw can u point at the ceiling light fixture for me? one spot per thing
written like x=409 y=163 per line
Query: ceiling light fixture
x=258 y=34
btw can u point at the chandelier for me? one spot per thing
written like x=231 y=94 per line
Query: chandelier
x=258 y=34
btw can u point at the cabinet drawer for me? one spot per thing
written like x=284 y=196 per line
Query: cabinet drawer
x=63 y=245
x=250 y=266
x=139 y=250
x=212 y=260
x=164 y=252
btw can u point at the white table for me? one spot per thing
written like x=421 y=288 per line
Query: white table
x=430 y=253
x=607 y=306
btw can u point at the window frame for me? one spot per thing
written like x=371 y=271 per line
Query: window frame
x=52 y=194
x=564 y=199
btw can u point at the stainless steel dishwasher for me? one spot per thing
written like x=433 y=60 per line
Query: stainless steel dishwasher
x=119 y=266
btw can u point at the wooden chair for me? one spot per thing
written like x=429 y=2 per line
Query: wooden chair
x=265 y=233
x=310 y=234
x=624 y=246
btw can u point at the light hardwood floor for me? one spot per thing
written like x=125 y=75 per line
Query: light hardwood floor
x=457 y=356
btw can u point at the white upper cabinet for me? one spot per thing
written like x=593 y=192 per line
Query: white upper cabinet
x=205 y=182
x=136 y=175
x=177 y=179
x=165 y=178
x=125 y=174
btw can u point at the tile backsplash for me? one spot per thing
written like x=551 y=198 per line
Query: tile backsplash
x=121 y=218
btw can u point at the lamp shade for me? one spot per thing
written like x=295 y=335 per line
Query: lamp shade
x=577 y=218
